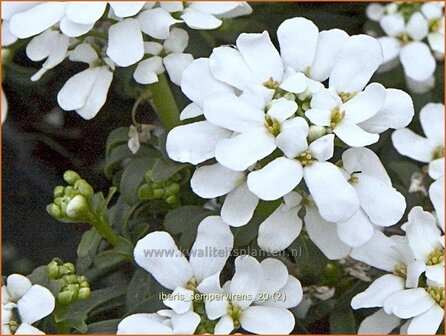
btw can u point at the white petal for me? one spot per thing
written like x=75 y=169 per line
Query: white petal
x=194 y=142
x=228 y=65
x=365 y=161
x=185 y=324
x=267 y=320
x=224 y=326
x=292 y=139
x=378 y=252
x=391 y=49
x=435 y=273
x=359 y=58
x=354 y=135
x=243 y=150
x=261 y=56
x=378 y=292
x=276 y=179
x=281 y=109
x=17 y=286
x=417 y=60
x=324 y=235
x=374 y=12
x=76 y=90
x=422 y=233
x=417 y=26
x=432 y=121
x=72 y=29
x=212 y=231
x=156 y=22
x=198 y=90
x=8 y=38
x=428 y=322
x=176 y=64
x=217 y=308
x=432 y=10
x=191 y=111
x=397 y=112
x=436 y=194
x=37 y=303
x=242 y=8
x=335 y=198
x=322 y=148
x=148 y=70
x=381 y=202
x=178 y=305
x=239 y=206
x=393 y=24
x=158 y=254
x=329 y=45
x=408 y=303
x=378 y=323
x=171 y=6
x=357 y=230
x=98 y=94
x=292 y=292
x=414 y=270
x=37 y=19
x=365 y=104
x=140 y=324
x=199 y=20
x=215 y=180
x=125 y=43
x=246 y=281
x=26 y=329
x=84 y=52
x=231 y=112
x=298 y=38
x=319 y=117
x=280 y=229
x=436 y=42
x=325 y=99
x=177 y=41
x=85 y=13
x=412 y=145
x=210 y=7
x=275 y=275
x=296 y=83
x=127 y=8
x=10 y=8
x=436 y=168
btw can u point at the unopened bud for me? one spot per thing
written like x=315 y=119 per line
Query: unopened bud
x=145 y=191
x=172 y=199
x=77 y=207
x=59 y=191
x=173 y=189
x=158 y=193
x=315 y=132
x=66 y=297
x=84 y=188
x=71 y=177
x=54 y=210
x=70 y=279
x=84 y=293
x=148 y=176
x=52 y=270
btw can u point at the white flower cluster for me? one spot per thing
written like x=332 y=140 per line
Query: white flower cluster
x=272 y=126
x=24 y=304
x=199 y=301
x=108 y=35
x=415 y=37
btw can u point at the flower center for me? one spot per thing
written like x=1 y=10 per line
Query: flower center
x=353 y=179
x=437 y=293
x=235 y=312
x=404 y=38
x=272 y=125
x=306 y=158
x=435 y=257
x=438 y=153
x=346 y=96
x=192 y=284
x=434 y=26
x=400 y=270
x=336 y=117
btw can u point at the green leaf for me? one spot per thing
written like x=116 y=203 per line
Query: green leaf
x=104 y=327
x=133 y=176
x=116 y=137
x=89 y=240
x=39 y=277
x=142 y=286
x=108 y=259
x=114 y=160
x=163 y=169
x=342 y=321
x=124 y=248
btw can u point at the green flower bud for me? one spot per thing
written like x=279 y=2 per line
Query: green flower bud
x=52 y=270
x=59 y=191
x=158 y=193
x=84 y=284
x=289 y=96
x=148 y=176
x=145 y=191
x=77 y=207
x=66 y=297
x=157 y=185
x=71 y=177
x=70 y=192
x=173 y=189
x=172 y=200
x=315 y=132
x=70 y=267
x=54 y=211
x=81 y=278
x=176 y=177
x=84 y=188
x=84 y=293
x=70 y=279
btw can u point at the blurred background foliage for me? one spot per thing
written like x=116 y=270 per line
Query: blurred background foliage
x=40 y=142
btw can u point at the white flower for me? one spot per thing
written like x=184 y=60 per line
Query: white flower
x=216 y=180
x=158 y=254
x=434 y=13
x=436 y=194
x=86 y=92
x=167 y=56
x=30 y=302
x=4 y=110
x=248 y=301
x=429 y=149
x=163 y=322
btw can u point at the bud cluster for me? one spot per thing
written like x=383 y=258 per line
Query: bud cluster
x=167 y=190
x=71 y=202
x=73 y=287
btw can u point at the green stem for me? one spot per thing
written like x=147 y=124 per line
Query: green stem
x=104 y=229
x=164 y=104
